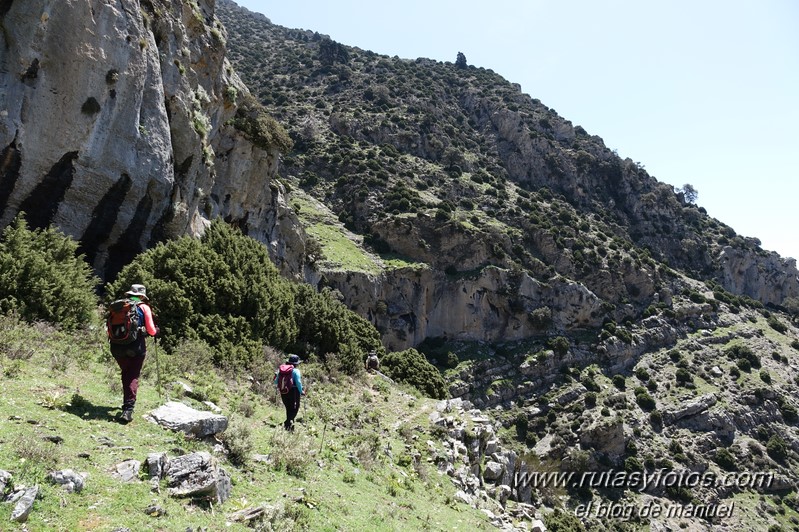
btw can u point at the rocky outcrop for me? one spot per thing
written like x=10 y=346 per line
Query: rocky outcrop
x=766 y=277
x=119 y=134
x=690 y=409
x=492 y=305
x=198 y=476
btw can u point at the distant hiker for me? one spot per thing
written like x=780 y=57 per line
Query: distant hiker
x=289 y=382
x=372 y=362
x=128 y=321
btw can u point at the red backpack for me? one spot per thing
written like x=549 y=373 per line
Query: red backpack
x=285 y=378
x=123 y=324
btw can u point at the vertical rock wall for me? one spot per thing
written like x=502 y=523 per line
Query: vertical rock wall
x=114 y=127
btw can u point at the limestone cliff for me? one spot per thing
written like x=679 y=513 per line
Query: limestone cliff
x=459 y=171
x=116 y=127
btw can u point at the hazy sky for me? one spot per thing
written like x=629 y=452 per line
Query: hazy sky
x=701 y=92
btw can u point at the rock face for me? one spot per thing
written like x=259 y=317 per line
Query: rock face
x=119 y=134
x=768 y=278
x=492 y=305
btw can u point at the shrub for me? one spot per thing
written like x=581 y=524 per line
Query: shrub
x=624 y=335
x=789 y=412
x=631 y=464
x=656 y=418
x=560 y=521
x=411 y=367
x=43 y=278
x=294 y=457
x=325 y=325
x=590 y=384
x=522 y=425
x=740 y=352
x=683 y=376
x=35 y=457
x=725 y=459
x=590 y=399
x=619 y=382
x=541 y=318
x=644 y=400
x=238 y=441
x=225 y=291
x=559 y=344
x=776 y=448
x=777 y=325
x=260 y=128
x=696 y=297
x=765 y=376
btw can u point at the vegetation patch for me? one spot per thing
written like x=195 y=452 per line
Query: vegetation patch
x=340 y=252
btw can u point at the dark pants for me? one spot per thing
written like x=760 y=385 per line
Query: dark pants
x=130 y=363
x=291 y=401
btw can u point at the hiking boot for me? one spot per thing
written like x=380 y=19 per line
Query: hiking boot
x=126 y=415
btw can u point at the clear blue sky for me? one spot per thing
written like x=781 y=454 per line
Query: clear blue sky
x=701 y=92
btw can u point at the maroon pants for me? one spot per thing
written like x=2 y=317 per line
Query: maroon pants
x=131 y=369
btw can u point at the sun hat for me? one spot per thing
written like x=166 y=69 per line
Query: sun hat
x=294 y=359
x=137 y=290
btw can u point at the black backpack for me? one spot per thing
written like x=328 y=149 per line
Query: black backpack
x=123 y=323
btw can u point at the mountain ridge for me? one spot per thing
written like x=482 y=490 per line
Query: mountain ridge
x=459 y=170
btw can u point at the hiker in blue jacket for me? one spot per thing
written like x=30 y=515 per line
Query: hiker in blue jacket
x=289 y=382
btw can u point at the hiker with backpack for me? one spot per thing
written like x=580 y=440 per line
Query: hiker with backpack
x=129 y=322
x=372 y=362
x=289 y=383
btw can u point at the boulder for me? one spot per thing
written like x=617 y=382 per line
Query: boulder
x=128 y=470
x=198 y=476
x=605 y=435
x=24 y=505
x=69 y=479
x=182 y=418
x=263 y=512
x=156 y=465
x=493 y=471
x=502 y=493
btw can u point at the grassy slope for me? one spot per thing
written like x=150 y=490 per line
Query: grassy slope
x=355 y=483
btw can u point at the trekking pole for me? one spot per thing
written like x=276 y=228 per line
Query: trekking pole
x=322 y=443
x=303 y=402
x=157 y=368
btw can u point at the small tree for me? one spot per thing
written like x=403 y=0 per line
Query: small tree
x=460 y=62
x=689 y=192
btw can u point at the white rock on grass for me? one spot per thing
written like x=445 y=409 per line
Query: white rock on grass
x=183 y=418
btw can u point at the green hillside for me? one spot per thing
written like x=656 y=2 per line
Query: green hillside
x=357 y=461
